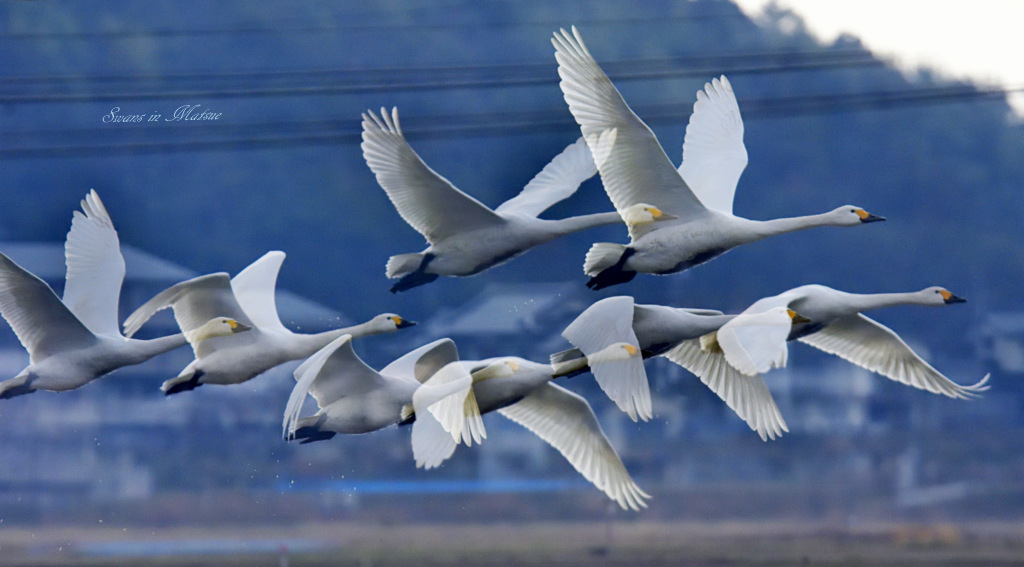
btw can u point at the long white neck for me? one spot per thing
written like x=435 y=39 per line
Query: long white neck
x=368 y=328
x=320 y=340
x=764 y=229
x=144 y=349
x=561 y=227
x=866 y=301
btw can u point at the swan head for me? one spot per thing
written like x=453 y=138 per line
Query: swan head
x=388 y=322
x=642 y=213
x=216 y=327
x=615 y=352
x=936 y=295
x=851 y=215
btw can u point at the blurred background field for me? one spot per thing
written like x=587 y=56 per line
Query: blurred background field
x=694 y=544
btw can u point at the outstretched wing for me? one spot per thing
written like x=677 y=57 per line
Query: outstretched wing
x=748 y=396
x=420 y=364
x=624 y=381
x=431 y=444
x=434 y=401
x=566 y=422
x=458 y=415
x=754 y=343
x=427 y=201
x=305 y=375
x=557 y=181
x=42 y=323
x=254 y=289
x=95 y=268
x=871 y=345
x=634 y=168
x=714 y=156
x=195 y=302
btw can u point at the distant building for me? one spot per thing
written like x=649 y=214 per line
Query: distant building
x=119 y=437
x=1000 y=341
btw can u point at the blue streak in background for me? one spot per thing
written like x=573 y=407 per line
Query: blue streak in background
x=196 y=547
x=428 y=487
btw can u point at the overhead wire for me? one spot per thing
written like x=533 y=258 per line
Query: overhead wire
x=26 y=90
x=295 y=134
x=316 y=82
x=349 y=27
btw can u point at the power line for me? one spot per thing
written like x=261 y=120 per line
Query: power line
x=321 y=28
x=343 y=82
x=707 y=59
x=489 y=124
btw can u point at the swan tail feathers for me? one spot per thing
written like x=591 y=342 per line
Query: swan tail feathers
x=566 y=355
x=569 y=363
x=403 y=264
x=605 y=263
x=601 y=256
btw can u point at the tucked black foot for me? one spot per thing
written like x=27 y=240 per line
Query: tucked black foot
x=412 y=280
x=310 y=434
x=614 y=274
x=609 y=277
x=190 y=384
x=16 y=391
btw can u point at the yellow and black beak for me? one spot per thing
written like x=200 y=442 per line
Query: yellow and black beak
x=660 y=215
x=403 y=323
x=237 y=327
x=950 y=297
x=796 y=317
x=866 y=217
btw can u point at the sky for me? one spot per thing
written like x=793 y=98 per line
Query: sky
x=980 y=40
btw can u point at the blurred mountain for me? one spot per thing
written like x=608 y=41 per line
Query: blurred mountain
x=477 y=87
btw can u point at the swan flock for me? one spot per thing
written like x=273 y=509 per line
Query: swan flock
x=676 y=217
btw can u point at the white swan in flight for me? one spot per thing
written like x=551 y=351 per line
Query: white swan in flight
x=838 y=327
x=677 y=218
x=248 y=298
x=74 y=341
x=466 y=237
x=354 y=398
x=522 y=391
x=709 y=344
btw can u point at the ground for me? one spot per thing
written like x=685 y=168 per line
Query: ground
x=628 y=543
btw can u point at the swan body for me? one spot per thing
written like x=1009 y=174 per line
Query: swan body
x=466 y=237
x=74 y=340
x=249 y=299
x=353 y=398
x=523 y=392
x=700 y=340
x=693 y=204
x=837 y=326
